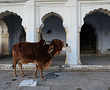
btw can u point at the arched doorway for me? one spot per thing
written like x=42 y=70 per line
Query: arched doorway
x=97 y=23
x=12 y=32
x=52 y=28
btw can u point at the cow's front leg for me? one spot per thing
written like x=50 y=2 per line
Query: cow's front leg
x=14 y=66
x=36 y=71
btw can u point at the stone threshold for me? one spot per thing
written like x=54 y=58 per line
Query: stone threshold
x=65 y=68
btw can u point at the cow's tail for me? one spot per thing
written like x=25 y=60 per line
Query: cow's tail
x=14 y=55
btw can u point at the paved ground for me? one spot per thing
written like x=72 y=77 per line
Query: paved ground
x=58 y=81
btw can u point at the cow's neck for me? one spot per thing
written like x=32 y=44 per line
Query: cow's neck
x=53 y=53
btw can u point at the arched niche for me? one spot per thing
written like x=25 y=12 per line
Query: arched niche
x=3 y=38
x=98 y=23
x=52 y=28
x=13 y=28
x=53 y=25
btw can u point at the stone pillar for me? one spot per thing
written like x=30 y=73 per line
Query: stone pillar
x=30 y=20
x=73 y=35
x=38 y=24
x=0 y=41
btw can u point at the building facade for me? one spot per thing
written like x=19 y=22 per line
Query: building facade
x=73 y=15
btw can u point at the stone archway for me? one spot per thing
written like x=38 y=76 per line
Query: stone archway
x=99 y=19
x=52 y=28
x=15 y=30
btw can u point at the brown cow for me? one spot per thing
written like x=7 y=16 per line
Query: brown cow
x=24 y=53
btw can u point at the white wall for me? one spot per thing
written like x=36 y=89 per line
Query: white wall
x=16 y=8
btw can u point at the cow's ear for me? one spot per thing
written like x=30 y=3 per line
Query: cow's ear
x=51 y=48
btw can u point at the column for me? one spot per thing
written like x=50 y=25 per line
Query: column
x=38 y=24
x=30 y=20
x=73 y=57
x=0 y=40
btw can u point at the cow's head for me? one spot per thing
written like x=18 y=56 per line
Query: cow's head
x=57 y=45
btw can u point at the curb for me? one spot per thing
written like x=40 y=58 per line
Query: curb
x=65 y=68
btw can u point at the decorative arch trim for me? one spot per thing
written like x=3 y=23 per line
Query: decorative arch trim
x=105 y=11
x=7 y=13
x=51 y=14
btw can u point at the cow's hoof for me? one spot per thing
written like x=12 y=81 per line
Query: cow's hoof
x=14 y=75
x=23 y=75
x=35 y=76
x=42 y=78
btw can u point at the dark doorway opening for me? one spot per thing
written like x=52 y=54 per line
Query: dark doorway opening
x=88 y=39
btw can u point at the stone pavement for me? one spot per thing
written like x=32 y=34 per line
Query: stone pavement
x=57 y=80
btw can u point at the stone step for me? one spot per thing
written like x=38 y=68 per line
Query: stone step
x=62 y=68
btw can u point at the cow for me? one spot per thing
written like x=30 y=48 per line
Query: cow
x=41 y=55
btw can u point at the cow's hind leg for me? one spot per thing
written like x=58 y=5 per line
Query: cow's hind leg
x=41 y=73
x=14 y=66
x=20 y=65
